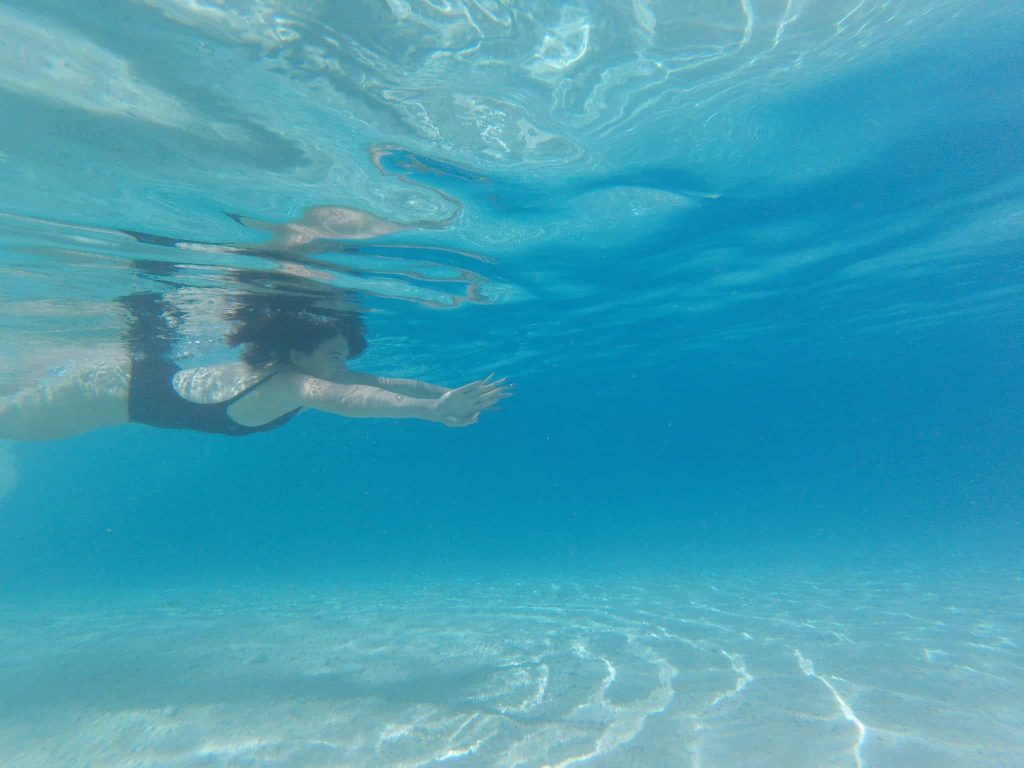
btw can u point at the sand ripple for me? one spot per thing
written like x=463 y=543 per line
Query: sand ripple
x=702 y=674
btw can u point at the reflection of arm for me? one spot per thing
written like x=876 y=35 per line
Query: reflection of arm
x=362 y=400
x=407 y=387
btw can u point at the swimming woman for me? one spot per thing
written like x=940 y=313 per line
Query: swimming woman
x=293 y=359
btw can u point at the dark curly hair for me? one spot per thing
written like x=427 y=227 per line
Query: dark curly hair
x=267 y=330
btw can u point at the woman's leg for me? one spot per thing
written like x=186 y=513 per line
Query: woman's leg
x=78 y=402
x=90 y=399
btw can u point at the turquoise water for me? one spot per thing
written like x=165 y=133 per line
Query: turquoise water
x=755 y=270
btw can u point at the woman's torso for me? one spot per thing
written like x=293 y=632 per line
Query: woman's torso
x=231 y=398
x=251 y=396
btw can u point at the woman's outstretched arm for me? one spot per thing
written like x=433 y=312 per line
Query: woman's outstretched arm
x=407 y=387
x=455 y=407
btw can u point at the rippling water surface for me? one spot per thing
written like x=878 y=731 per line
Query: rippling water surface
x=755 y=268
x=723 y=171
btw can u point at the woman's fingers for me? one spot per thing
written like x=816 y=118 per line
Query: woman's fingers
x=494 y=389
x=494 y=393
x=497 y=394
x=482 y=395
x=490 y=381
x=487 y=399
x=477 y=389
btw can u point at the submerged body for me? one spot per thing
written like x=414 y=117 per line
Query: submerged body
x=255 y=401
x=231 y=398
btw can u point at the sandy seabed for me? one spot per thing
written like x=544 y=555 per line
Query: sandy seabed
x=676 y=672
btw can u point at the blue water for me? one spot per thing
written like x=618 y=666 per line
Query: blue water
x=756 y=271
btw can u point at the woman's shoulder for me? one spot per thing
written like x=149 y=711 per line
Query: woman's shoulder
x=211 y=384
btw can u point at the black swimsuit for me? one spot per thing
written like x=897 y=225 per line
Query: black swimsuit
x=152 y=398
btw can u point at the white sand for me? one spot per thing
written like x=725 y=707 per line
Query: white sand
x=772 y=672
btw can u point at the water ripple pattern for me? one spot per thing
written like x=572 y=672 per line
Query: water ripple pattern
x=715 y=173
x=570 y=72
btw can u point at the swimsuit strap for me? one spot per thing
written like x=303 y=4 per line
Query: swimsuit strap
x=272 y=424
x=247 y=390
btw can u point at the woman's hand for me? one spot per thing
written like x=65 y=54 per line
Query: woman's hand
x=461 y=407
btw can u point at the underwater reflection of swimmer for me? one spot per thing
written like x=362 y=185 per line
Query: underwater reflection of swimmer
x=338 y=242
x=294 y=357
